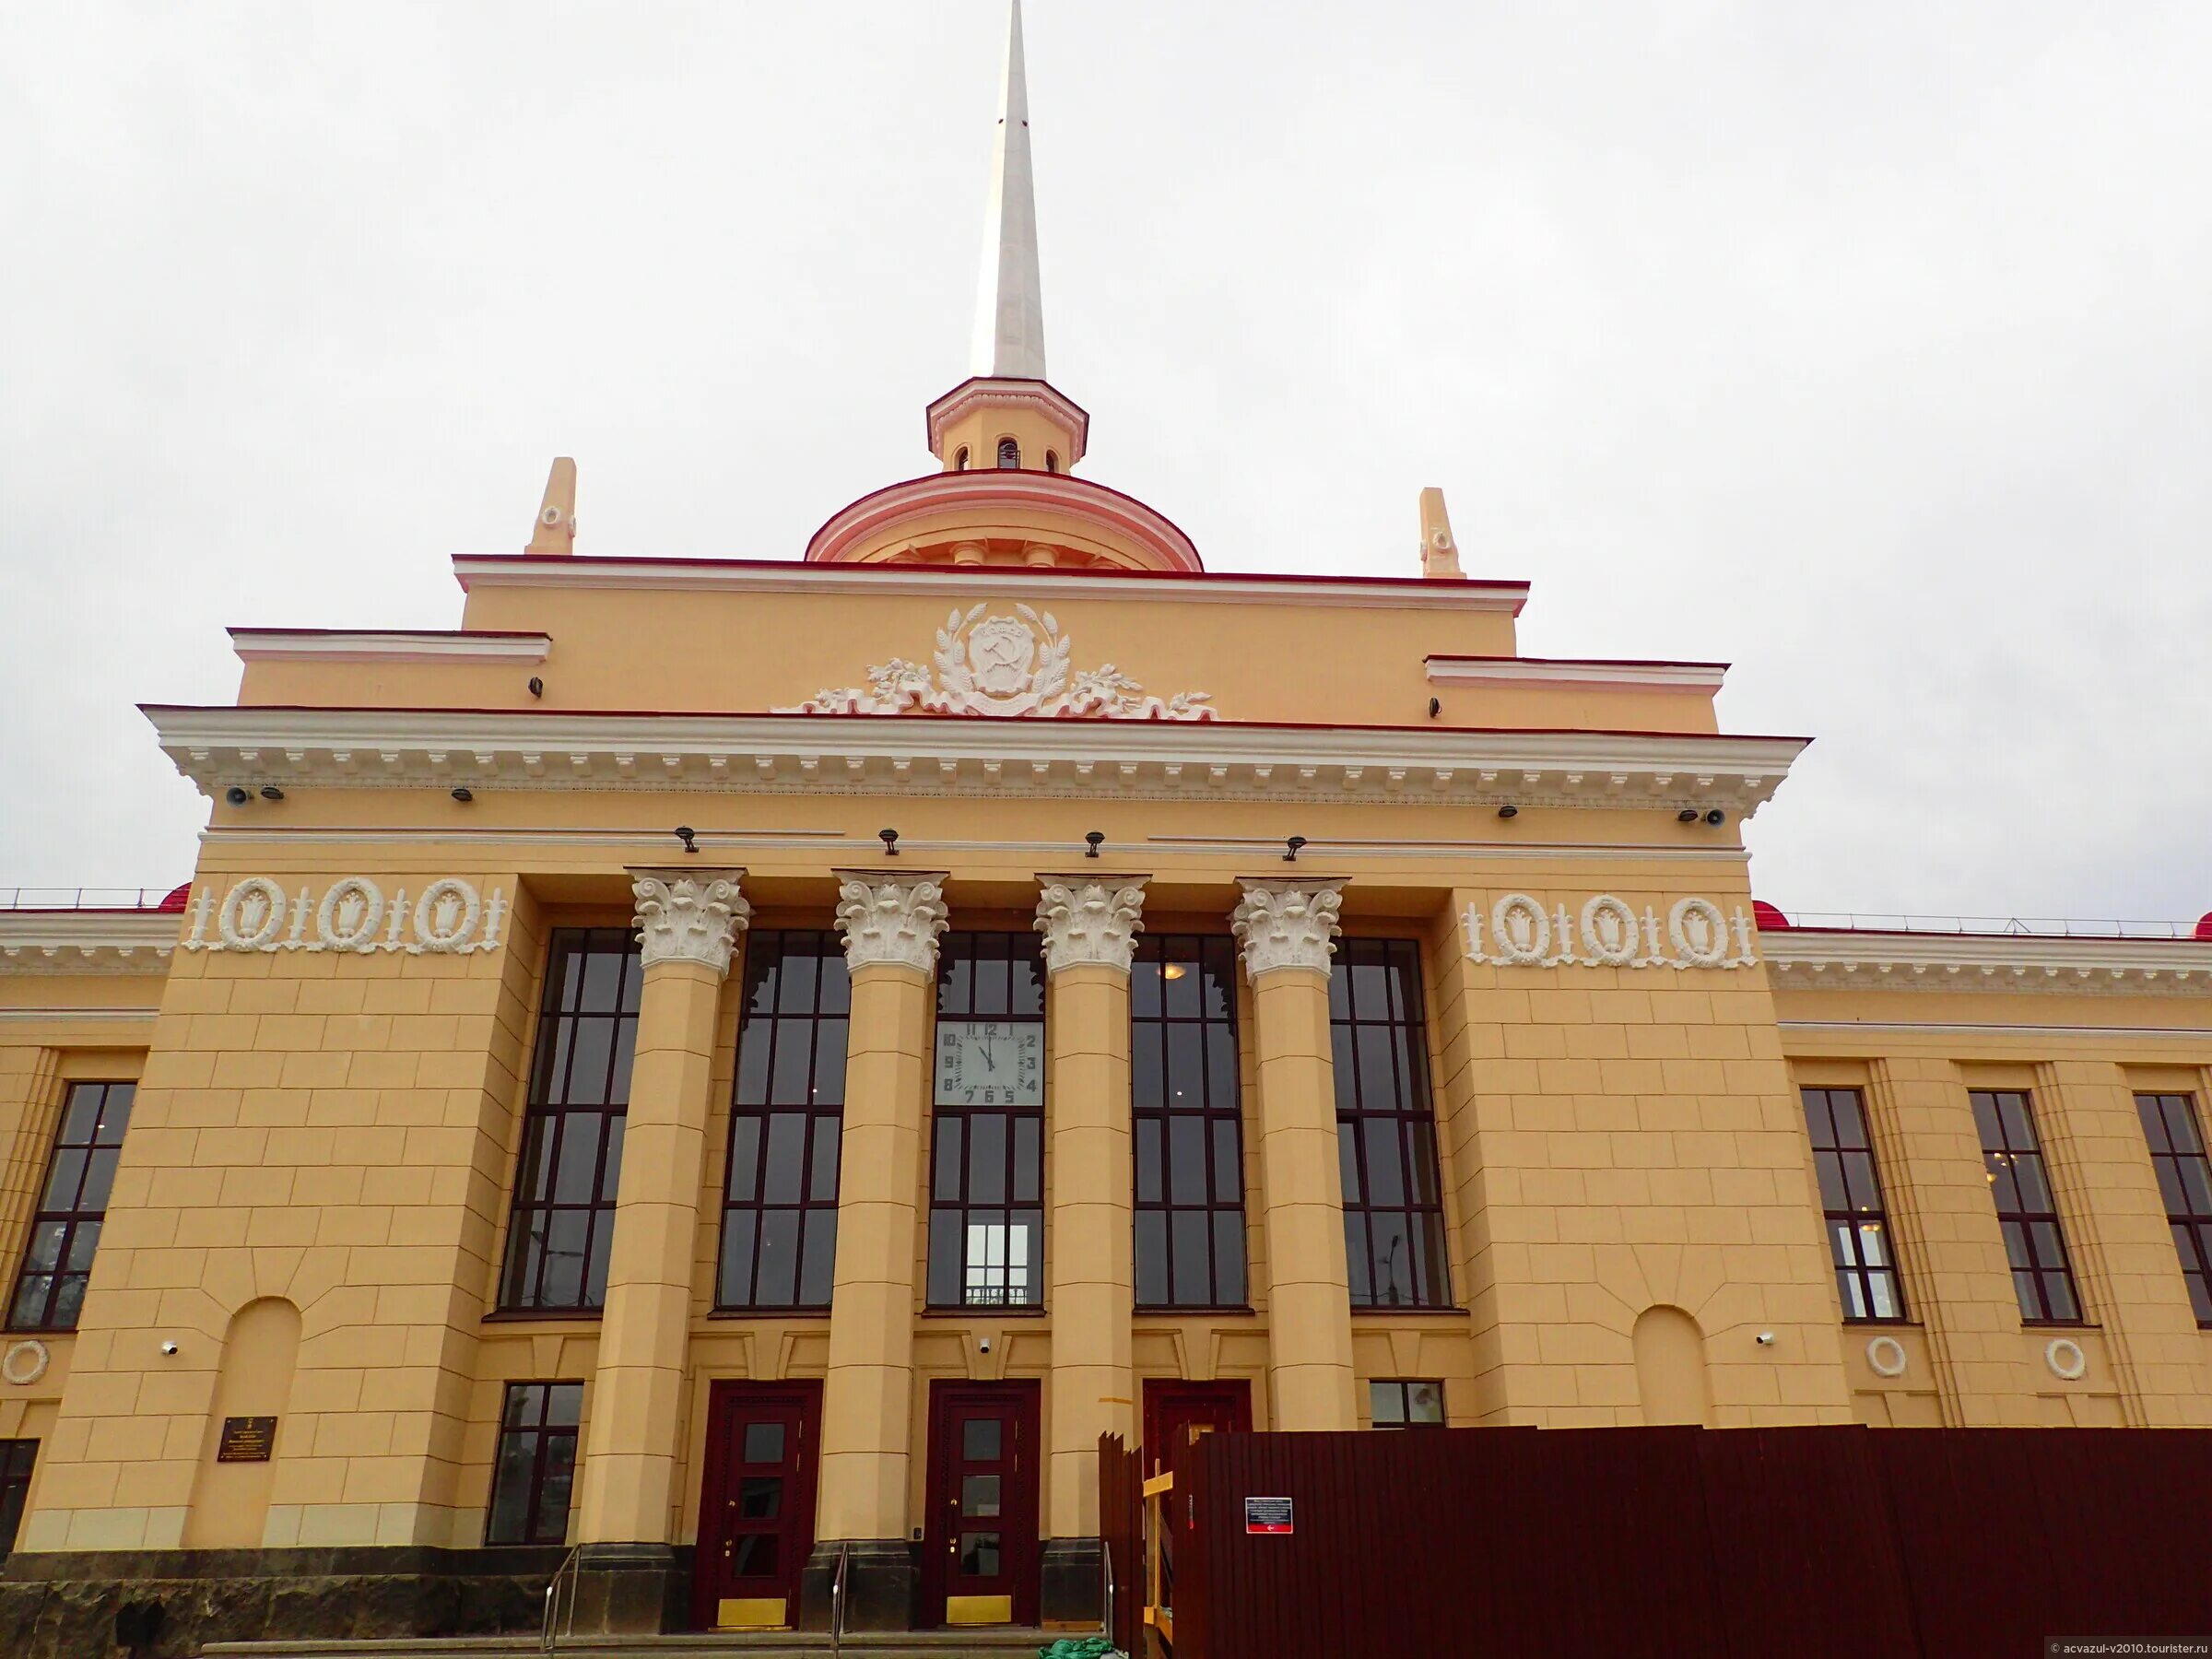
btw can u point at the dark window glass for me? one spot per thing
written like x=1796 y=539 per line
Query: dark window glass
x=986 y=1217
x=1009 y=452
x=779 y=1218
x=1393 y=1213
x=2177 y=1153
x=2020 y=1187
x=1189 y=1172
x=1850 y=1200
x=571 y=1161
x=1399 y=1404
x=16 y=1458
x=535 y=1471
x=65 y=1229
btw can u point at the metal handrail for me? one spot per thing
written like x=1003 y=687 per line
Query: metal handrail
x=571 y=1568
x=837 y=1599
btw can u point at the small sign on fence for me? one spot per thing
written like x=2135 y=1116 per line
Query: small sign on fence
x=1267 y=1514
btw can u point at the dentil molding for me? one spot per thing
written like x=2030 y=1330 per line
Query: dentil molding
x=1607 y=933
x=450 y=917
x=895 y=922
x=1090 y=924
x=684 y=917
x=1287 y=925
x=1002 y=665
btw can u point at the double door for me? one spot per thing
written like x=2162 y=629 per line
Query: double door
x=756 y=1517
x=979 y=1546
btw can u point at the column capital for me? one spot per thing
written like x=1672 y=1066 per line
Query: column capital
x=689 y=915
x=1090 y=924
x=1286 y=924
x=891 y=919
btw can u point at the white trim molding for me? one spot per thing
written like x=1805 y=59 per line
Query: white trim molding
x=1607 y=932
x=895 y=921
x=1287 y=925
x=386 y=645
x=450 y=918
x=689 y=916
x=1825 y=959
x=1090 y=924
x=87 y=941
x=1574 y=674
x=923 y=755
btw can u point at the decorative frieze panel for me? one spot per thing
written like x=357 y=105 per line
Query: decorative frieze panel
x=1090 y=924
x=449 y=917
x=1003 y=665
x=1609 y=932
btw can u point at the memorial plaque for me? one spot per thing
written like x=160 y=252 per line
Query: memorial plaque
x=1266 y=1514
x=247 y=1439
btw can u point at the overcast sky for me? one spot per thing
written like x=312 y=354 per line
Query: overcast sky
x=1863 y=347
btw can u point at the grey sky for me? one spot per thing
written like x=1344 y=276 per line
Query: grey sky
x=1863 y=347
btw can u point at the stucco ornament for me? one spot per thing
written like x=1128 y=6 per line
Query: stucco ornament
x=1608 y=933
x=1090 y=924
x=451 y=918
x=1286 y=925
x=25 y=1362
x=894 y=921
x=1002 y=665
x=688 y=919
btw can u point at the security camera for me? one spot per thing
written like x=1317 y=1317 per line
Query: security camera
x=169 y=1349
x=1765 y=1339
x=984 y=1346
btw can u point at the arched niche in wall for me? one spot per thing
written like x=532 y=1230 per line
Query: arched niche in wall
x=254 y=1380
x=1670 y=1368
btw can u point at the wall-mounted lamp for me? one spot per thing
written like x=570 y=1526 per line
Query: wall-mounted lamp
x=1509 y=810
x=1436 y=707
x=269 y=792
x=464 y=793
x=538 y=687
x=1293 y=843
x=688 y=836
x=1689 y=814
x=889 y=838
x=1094 y=841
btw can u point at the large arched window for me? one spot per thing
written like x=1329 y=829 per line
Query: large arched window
x=1009 y=454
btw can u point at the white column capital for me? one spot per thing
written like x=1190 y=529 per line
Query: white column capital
x=1090 y=924
x=895 y=920
x=1287 y=925
x=689 y=915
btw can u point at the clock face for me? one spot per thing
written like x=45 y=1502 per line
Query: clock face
x=990 y=1063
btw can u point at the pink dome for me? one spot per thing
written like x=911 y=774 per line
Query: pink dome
x=1770 y=920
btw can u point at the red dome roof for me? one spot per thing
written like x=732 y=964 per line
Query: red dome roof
x=2204 y=925
x=1770 y=920
x=175 y=902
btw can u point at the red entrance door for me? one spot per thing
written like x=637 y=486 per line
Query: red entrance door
x=1176 y=1413
x=755 y=1510
x=978 y=1547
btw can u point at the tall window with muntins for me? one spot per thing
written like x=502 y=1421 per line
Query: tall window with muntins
x=987 y=1214
x=1851 y=1201
x=1009 y=452
x=1404 y=1403
x=1393 y=1212
x=535 y=1471
x=1182 y=1084
x=64 y=1231
x=2034 y=1243
x=787 y=1112
x=571 y=1162
x=2177 y=1152
x=16 y=1458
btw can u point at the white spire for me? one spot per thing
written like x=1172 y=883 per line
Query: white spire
x=1009 y=313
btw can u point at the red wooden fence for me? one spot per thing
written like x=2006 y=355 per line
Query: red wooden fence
x=1834 y=1543
x=1121 y=1524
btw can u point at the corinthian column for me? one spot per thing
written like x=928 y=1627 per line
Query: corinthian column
x=689 y=921
x=890 y=929
x=1287 y=931
x=1090 y=930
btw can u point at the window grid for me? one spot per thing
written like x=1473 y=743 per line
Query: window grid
x=1851 y=1201
x=986 y=1217
x=2035 y=1243
x=1405 y=1403
x=1188 y=1123
x=1393 y=1213
x=2177 y=1153
x=535 y=1472
x=571 y=1162
x=787 y=1115
x=65 y=1229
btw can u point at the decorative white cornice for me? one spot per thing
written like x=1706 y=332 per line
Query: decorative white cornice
x=1287 y=925
x=1090 y=924
x=921 y=755
x=1826 y=960
x=894 y=920
x=87 y=941
x=689 y=915
x=1574 y=674
x=1607 y=932
x=991 y=581
x=386 y=645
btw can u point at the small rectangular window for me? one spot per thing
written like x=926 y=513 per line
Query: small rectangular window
x=16 y=1458
x=2035 y=1243
x=65 y=1230
x=987 y=1215
x=1393 y=1201
x=535 y=1472
x=1190 y=1147
x=1397 y=1402
x=2177 y=1153
x=1850 y=1200
x=571 y=1161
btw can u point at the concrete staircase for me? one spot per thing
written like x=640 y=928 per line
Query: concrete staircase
x=995 y=1642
